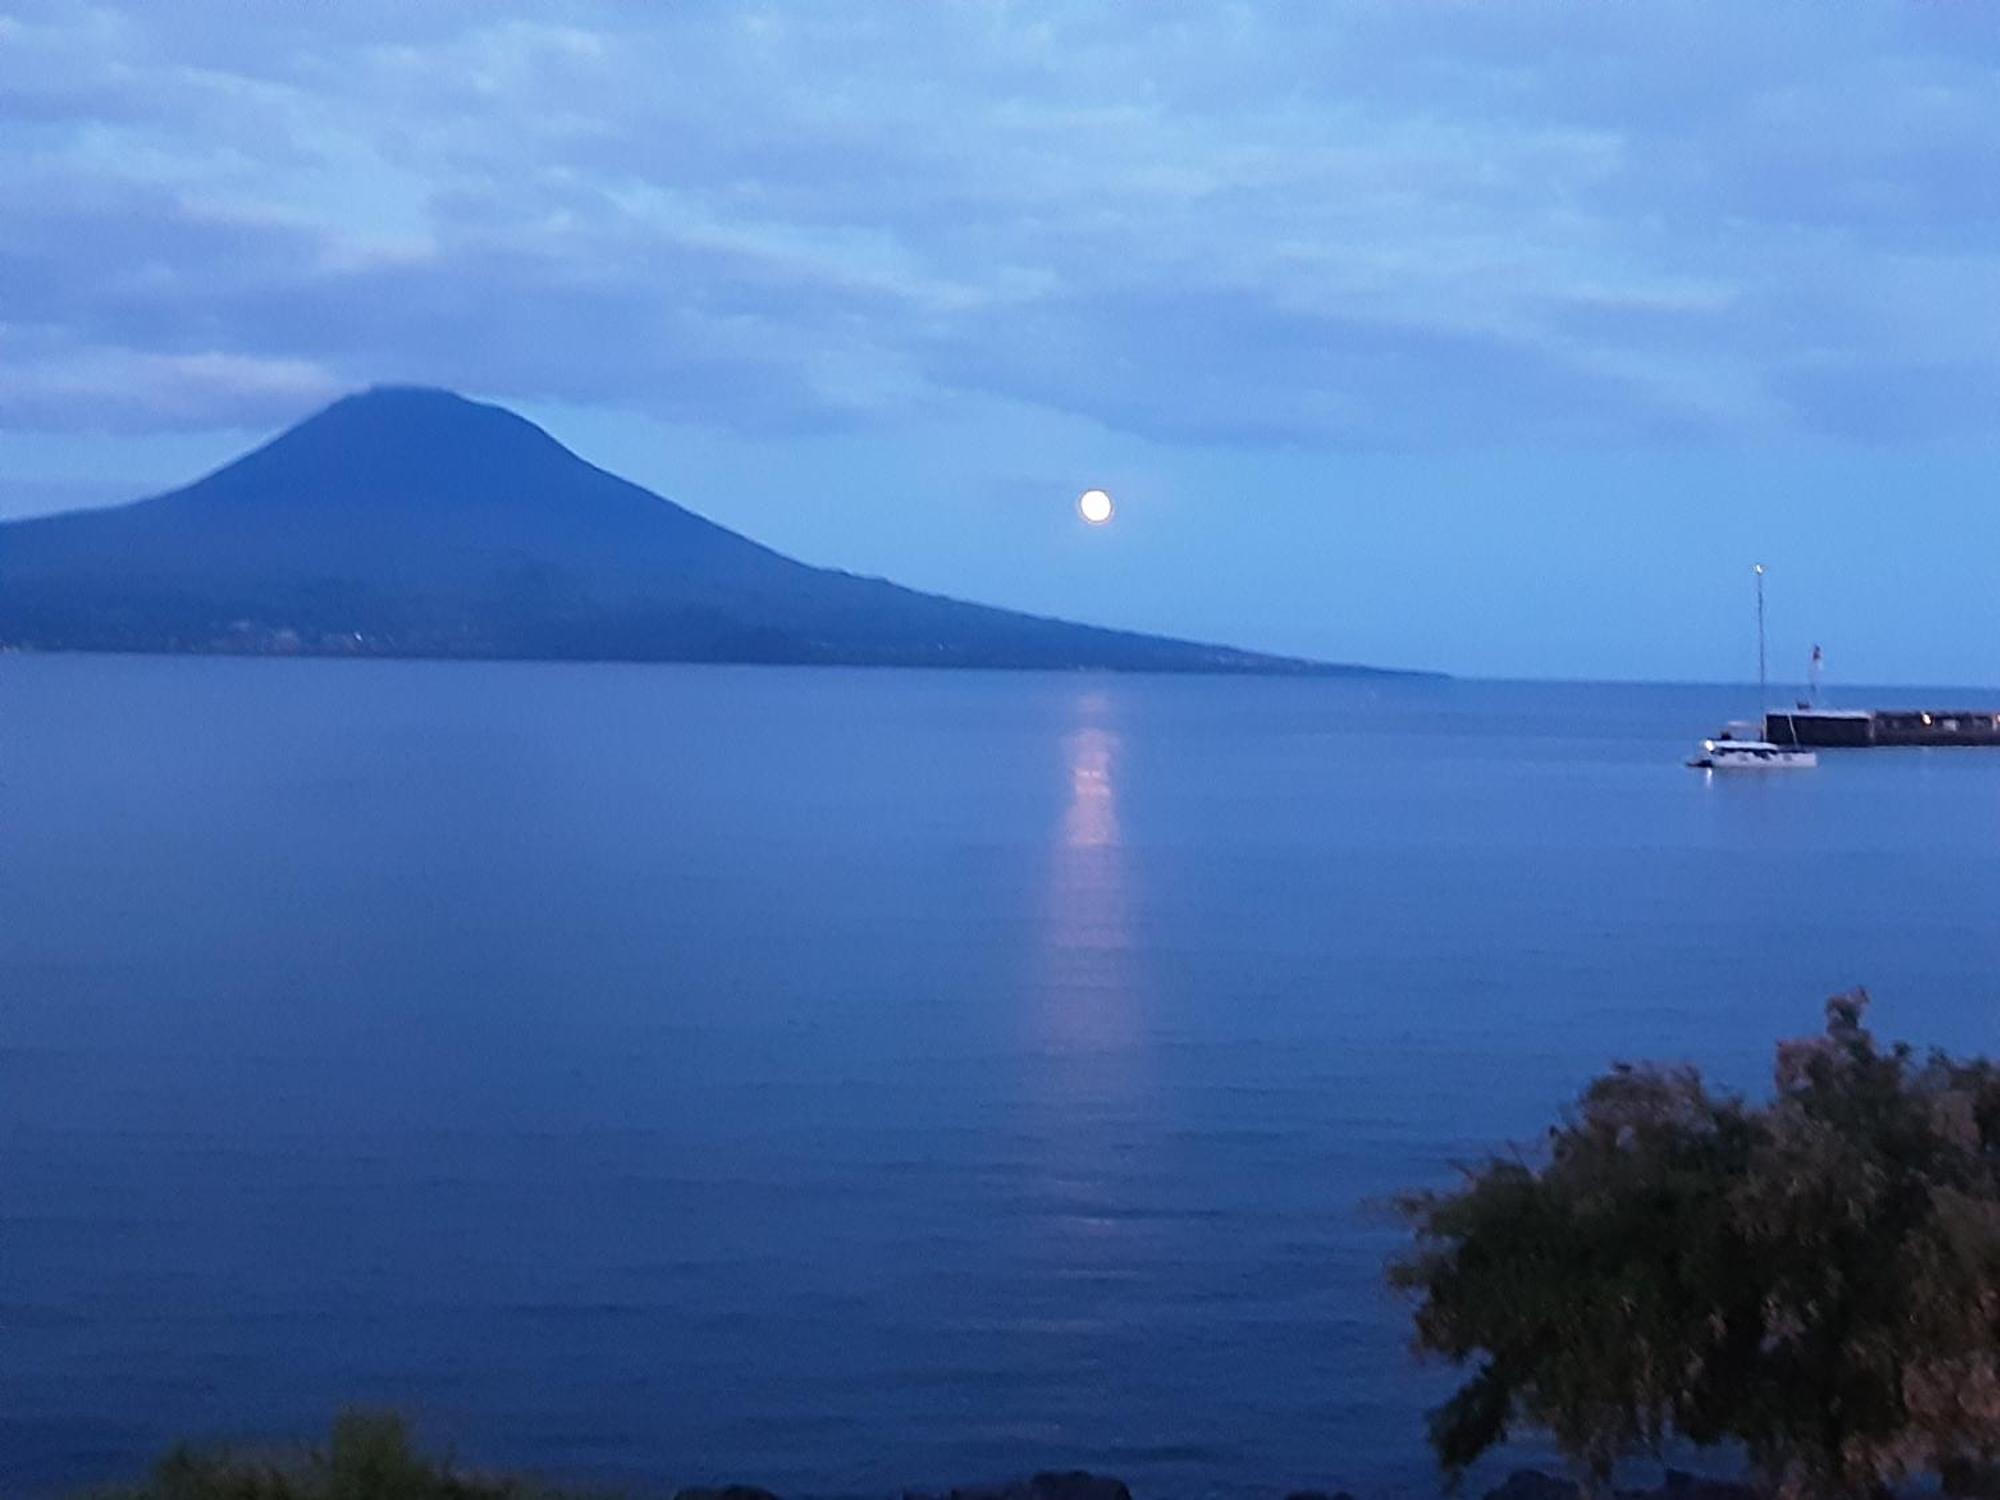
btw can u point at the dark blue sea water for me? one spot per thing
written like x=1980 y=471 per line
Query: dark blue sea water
x=851 y=1080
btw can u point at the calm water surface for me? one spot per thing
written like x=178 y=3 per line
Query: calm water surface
x=850 y=1080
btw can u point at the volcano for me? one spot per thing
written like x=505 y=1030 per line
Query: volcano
x=414 y=522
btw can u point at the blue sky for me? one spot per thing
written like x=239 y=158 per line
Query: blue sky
x=1500 y=338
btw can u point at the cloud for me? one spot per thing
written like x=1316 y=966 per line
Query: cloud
x=1430 y=225
x=124 y=390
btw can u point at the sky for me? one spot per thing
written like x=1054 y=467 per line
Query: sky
x=1494 y=338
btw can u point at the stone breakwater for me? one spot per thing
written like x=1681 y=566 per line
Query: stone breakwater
x=1523 y=1484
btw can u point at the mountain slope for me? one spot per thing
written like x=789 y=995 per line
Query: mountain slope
x=416 y=523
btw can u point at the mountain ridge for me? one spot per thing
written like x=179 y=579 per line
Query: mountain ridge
x=409 y=521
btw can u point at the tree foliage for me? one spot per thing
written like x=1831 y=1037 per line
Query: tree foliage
x=369 y=1457
x=1815 y=1278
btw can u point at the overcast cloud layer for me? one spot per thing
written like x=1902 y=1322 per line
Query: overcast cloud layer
x=1373 y=228
x=1393 y=224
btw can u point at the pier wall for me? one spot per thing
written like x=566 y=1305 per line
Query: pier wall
x=1884 y=727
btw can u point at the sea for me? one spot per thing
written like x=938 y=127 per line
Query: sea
x=852 y=1082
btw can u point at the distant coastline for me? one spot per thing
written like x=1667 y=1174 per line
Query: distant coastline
x=1278 y=667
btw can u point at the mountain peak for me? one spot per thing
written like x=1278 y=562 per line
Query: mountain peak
x=404 y=442
x=422 y=403
x=418 y=414
x=394 y=391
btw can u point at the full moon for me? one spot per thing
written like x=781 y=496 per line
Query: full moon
x=1094 y=506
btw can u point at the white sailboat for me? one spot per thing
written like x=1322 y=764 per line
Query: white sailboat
x=1743 y=747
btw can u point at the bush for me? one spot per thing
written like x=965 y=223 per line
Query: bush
x=1816 y=1279
x=369 y=1457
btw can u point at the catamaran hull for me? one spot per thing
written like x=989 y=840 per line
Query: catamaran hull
x=1754 y=758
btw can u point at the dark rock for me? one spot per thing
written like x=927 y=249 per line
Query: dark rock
x=1532 y=1484
x=727 y=1492
x=1683 y=1486
x=1074 y=1485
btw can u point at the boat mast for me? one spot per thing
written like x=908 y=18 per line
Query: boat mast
x=1763 y=696
x=1764 y=692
